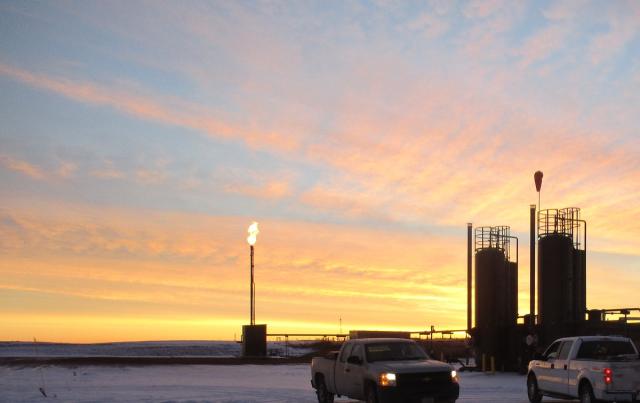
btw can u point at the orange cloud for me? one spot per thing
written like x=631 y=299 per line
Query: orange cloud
x=188 y=265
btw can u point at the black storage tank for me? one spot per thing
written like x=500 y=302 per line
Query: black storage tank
x=496 y=294
x=561 y=267
x=555 y=279
x=490 y=284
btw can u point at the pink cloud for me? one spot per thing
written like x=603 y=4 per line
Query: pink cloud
x=622 y=30
x=107 y=173
x=564 y=10
x=271 y=190
x=171 y=112
x=21 y=166
x=338 y=198
x=484 y=8
x=544 y=43
x=150 y=176
x=66 y=169
x=432 y=26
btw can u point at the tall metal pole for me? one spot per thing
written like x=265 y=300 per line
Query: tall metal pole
x=469 y=275
x=253 y=310
x=532 y=264
x=585 y=263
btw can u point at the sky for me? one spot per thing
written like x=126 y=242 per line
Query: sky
x=139 y=140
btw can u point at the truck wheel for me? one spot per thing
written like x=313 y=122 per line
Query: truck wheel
x=371 y=394
x=324 y=396
x=534 y=394
x=586 y=394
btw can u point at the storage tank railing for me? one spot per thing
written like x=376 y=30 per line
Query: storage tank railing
x=565 y=222
x=497 y=237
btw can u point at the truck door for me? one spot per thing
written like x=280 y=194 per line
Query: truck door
x=544 y=366
x=576 y=363
x=341 y=383
x=559 y=373
x=354 y=373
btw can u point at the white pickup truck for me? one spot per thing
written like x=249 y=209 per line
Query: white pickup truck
x=383 y=370
x=591 y=368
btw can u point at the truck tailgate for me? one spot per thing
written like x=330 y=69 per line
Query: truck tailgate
x=626 y=375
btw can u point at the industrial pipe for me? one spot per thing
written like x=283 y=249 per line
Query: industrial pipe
x=532 y=264
x=516 y=238
x=469 y=275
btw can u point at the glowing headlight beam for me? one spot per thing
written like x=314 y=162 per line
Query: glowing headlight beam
x=387 y=379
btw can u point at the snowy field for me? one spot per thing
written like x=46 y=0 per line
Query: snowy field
x=190 y=383
x=206 y=383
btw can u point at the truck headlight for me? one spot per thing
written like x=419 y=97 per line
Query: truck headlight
x=387 y=379
x=454 y=376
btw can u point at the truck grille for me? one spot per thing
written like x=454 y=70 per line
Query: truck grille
x=424 y=381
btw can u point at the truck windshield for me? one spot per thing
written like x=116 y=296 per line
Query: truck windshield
x=605 y=349
x=394 y=351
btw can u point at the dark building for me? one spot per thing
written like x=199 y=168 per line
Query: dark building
x=254 y=340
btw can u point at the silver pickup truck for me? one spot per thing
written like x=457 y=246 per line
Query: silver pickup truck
x=383 y=370
x=591 y=368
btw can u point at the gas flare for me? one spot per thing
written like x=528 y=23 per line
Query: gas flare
x=253 y=233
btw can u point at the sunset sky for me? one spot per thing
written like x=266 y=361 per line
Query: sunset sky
x=138 y=141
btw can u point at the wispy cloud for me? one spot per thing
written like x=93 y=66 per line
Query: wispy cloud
x=622 y=28
x=276 y=189
x=544 y=43
x=172 y=112
x=21 y=166
x=137 y=259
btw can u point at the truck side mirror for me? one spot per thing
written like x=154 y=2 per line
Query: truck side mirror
x=355 y=360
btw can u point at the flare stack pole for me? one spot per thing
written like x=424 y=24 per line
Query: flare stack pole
x=252 y=291
x=469 y=275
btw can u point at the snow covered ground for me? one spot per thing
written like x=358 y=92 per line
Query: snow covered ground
x=190 y=383
x=206 y=383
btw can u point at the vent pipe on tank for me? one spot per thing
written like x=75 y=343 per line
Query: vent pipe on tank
x=532 y=264
x=469 y=274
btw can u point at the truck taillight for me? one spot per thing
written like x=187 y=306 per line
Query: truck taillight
x=608 y=376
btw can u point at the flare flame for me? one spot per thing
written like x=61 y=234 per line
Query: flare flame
x=253 y=233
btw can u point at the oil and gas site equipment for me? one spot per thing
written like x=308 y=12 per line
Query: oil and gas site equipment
x=496 y=291
x=562 y=285
x=496 y=277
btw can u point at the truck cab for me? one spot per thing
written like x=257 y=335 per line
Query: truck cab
x=590 y=368
x=383 y=370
